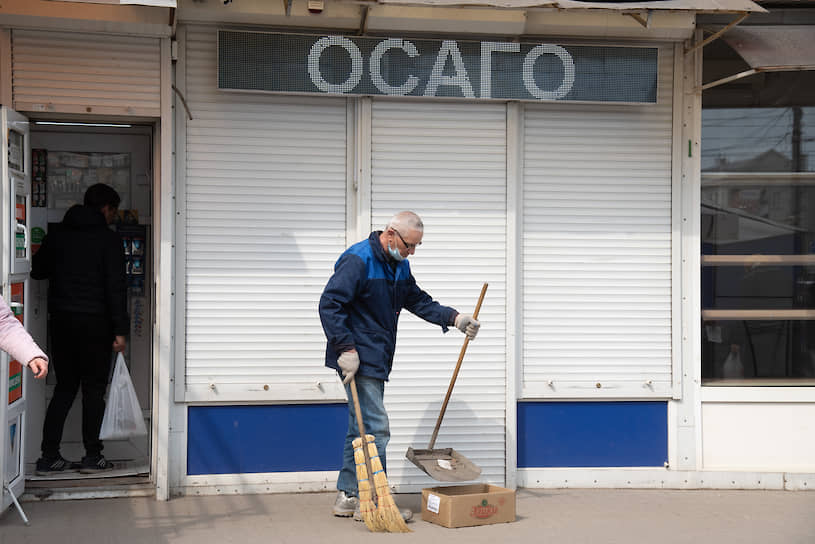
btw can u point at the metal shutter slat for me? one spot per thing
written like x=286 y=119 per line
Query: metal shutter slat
x=447 y=162
x=259 y=252
x=597 y=248
x=65 y=72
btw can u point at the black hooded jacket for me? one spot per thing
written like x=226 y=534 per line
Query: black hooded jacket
x=84 y=261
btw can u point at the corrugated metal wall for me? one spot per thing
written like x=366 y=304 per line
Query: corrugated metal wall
x=64 y=72
x=265 y=220
x=447 y=162
x=264 y=223
x=597 y=248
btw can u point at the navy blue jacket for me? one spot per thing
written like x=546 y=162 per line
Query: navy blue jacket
x=360 y=306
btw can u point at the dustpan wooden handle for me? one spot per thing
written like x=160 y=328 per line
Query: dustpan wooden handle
x=361 y=428
x=455 y=372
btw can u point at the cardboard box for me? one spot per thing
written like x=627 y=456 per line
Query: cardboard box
x=468 y=505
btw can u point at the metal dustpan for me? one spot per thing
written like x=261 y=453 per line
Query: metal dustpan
x=446 y=464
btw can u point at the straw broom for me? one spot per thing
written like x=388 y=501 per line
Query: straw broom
x=381 y=518
x=367 y=507
x=386 y=508
x=365 y=486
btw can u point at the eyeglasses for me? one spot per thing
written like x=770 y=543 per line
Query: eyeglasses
x=408 y=246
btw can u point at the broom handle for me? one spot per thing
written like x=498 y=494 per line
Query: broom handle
x=455 y=372
x=361 y=428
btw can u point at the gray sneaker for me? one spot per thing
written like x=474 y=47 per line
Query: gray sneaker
x=345 y=505
x=407 y=514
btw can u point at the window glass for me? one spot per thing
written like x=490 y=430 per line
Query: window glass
x=758 y=245
x=758 y=139
x=760 y=287
x=16 y=142
x=771 y=352
x=762 y=215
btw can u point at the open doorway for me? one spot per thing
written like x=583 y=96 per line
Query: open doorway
x=66 y=159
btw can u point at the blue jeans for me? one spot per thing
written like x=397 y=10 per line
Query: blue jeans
x=371 y=394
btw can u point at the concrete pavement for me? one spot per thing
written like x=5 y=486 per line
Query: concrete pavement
x=571 y=516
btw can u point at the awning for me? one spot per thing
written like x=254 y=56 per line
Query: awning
x=699 y=6
x=781 y=48
x=774 y=47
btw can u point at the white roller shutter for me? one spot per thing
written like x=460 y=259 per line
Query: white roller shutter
x=447 y=162
x=597 y=248
x=65 y=72
x=264 y=223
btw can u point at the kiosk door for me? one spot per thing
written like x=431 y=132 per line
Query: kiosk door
x=15 y=211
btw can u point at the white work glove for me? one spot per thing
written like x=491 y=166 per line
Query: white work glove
x=348 y=362
x=467 y=325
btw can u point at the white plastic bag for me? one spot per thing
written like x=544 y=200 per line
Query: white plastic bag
x=733 y=367
x=123 y=416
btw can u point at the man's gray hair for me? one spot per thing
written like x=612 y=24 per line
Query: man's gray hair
x=406 y=221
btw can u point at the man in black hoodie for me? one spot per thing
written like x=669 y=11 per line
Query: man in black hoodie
x=87 y=304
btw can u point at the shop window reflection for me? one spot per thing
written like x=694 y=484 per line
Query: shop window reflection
x=758 y=246
x=762 y=351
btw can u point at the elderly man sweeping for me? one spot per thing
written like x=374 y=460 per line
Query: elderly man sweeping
x=359 y=311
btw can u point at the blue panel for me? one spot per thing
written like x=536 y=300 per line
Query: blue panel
x=592 y=434
x=286 y=438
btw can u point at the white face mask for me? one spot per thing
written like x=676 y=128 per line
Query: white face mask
x=394 y=253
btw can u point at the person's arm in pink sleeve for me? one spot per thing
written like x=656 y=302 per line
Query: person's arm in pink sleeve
x=16 y=341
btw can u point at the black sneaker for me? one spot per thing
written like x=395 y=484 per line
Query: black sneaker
x=94 y=465
x=53 y=465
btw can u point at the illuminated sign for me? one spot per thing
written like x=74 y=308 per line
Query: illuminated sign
x=343 y=65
